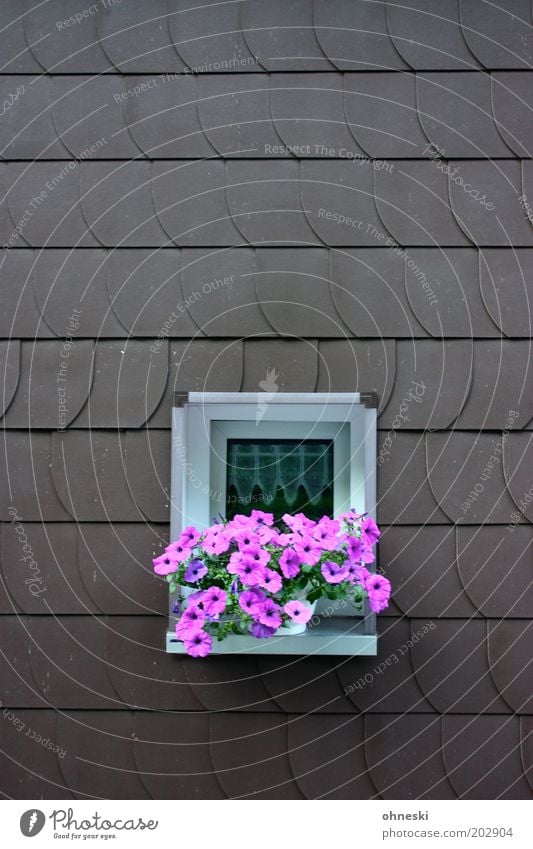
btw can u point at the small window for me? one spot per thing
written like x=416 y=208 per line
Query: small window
x=295 y=452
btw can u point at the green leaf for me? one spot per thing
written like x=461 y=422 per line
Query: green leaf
x=172 y=587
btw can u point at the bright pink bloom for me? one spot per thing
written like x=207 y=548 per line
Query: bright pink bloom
x=191 y=620
x=289 y=563
x=298 y=611
x=333 y=572
x=189 y=536
x=262 y=518
x=269 y=614
x=245 y=537
x=166 y=564
x=254 y=552
x=214 y=601
x=309 y=550
x=370 y=531
x=251 y=600
x=248 y=571
x=299 y=522
x=326 y=533
x=378 y=589
x=198 y=643
x=270 y=580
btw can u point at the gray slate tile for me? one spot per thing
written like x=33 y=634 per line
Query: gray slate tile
x=339 y=204
x=369 y=293
x=116 y=200
x=442 y=286
x=429 y=40
x=264 y=201
x=54 y=384
x=89 y=118
x=456 y=114
x=506 y=284
x=498 y=185
x=500 y=38
x=308 y=113
x=432 y=384
x=19 y=314
x=282 y=35
x=234 y=112
x=294 y=291
x=512 y=102
x=29 y=489
x=27 y=130
x=352 y=365
x=208 y=37
x=354 y=35
x=64 y=281
x=63 y=48
x=146 y=295
x=161 y=113
x=136 y=38
x=190 y=203
x=46 y=197
x=413 y=203
x=220 y=288
x=381 y=111
x=129 y=382
x=502 y=383
x=280 y=365
x=494 y=566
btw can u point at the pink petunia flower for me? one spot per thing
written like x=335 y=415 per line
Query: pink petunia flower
x=370 y=531
x=309 y=550
x=269 y=614
x=198 y=643
x=270 y=580
x=299 y=522
x=254 y=552
x=378 y=589
x=298 y=611
x=245 y=537
x=214 y=601
x=326 y=534
x=289 y=563
x=334 y=573
x=191 y=620
x=251 y=600
x=247 y=570
x=262 y=518
x=189 y=536
x=195 y=571
x=165 y=564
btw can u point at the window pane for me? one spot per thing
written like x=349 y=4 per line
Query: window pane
x=280 y=476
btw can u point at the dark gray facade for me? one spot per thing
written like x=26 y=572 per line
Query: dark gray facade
x=193 y=197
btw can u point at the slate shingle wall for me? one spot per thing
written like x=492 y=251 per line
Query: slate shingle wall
x=167 y=228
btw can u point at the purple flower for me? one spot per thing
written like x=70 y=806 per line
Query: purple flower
x=326 y=532
x=254 y=552
x=165 y=564
x=198 y=643
x=289 y=563
x=333 y=572
x=214 y=601
x=355 y=548
x=189 y=536
x=269 y=614
x=191 y=620
x=370 y=531
x=298 y=611
x=245 y=537
x=195 y=571
x=248 y=571
x=234 y=586
x=195 y=598
x=250 y=601
x=378 y=589
x=261 y=631
x=270 y=580
x=262 y=518
x=216 y=541
x=310 y=550
x=179 y=550
x=299 y=522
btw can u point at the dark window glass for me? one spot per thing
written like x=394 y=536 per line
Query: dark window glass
x=280 y=476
